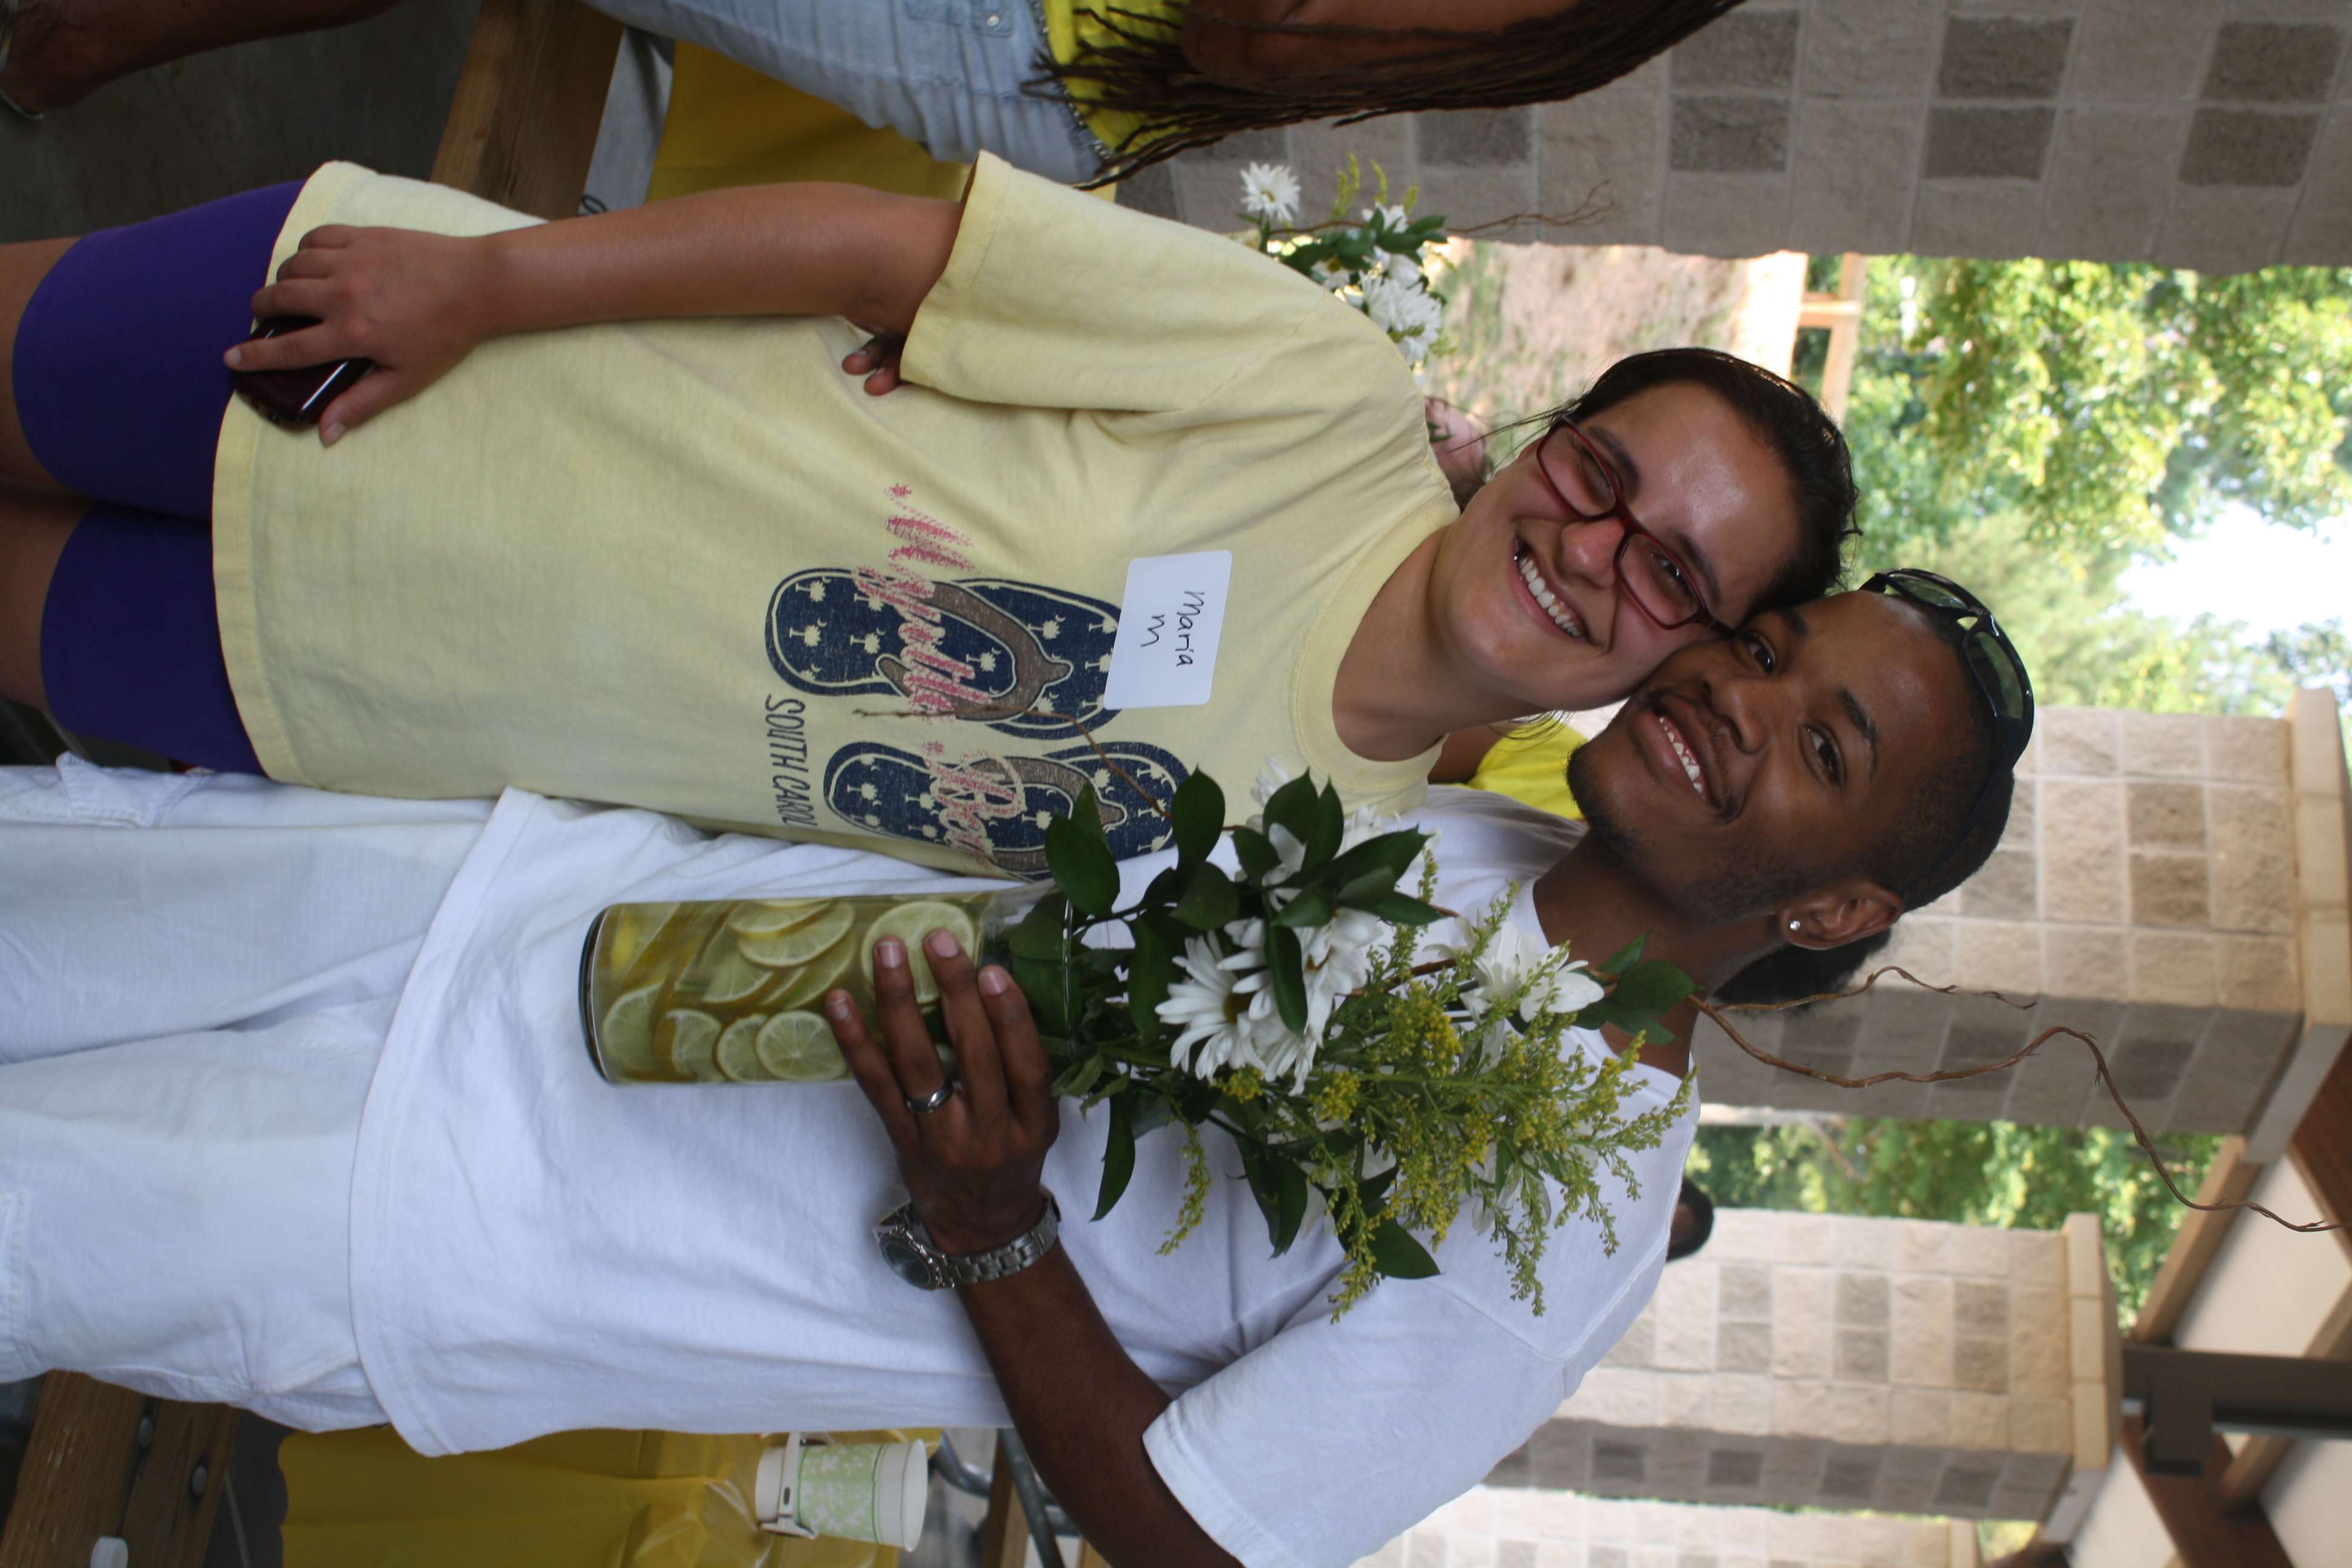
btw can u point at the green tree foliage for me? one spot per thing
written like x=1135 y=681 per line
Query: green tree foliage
x=2106 y=404
x=1974 y=1172
x=2034 y=427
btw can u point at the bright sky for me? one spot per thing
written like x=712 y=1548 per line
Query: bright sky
x=2243 y=569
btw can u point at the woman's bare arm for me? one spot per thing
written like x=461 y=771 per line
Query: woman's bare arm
x=418 y=303
x=1247 y=56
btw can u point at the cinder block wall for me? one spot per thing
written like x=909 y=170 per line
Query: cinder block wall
x=1495 y=1527
x=2145 y=893
x=2215 y=134
x=1904 y=1366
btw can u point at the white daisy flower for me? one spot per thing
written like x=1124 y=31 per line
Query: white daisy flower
x=1270 y=193
x=1519 y=957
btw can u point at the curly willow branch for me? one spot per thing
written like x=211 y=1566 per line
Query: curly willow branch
x=2032 y=1047
x=1006 y=711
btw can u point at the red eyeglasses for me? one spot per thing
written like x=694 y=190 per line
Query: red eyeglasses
x=1661 y=586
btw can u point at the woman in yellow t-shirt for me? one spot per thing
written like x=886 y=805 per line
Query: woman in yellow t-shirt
x=1149 y=501
x=1073 y=89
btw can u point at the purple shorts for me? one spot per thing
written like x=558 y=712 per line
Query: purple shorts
x=121 y=389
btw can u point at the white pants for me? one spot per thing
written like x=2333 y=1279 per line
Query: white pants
x=197 y=980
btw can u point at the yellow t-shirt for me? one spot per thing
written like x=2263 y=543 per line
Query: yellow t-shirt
x=1073 y=24
x=691 y=565
x=1532 y=769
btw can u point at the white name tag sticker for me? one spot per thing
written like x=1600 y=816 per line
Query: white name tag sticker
x=1165 y=654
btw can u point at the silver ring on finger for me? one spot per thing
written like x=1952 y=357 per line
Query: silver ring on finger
x=933 y=1100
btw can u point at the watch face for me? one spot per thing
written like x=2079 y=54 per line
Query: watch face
x=907 y=1261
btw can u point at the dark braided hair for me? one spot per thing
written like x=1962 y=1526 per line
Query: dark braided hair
x=1538 y=60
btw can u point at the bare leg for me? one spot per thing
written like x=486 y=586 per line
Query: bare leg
x=34 y=527
x=22 y=268
x=65 y=50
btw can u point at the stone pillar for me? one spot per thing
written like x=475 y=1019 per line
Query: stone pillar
x=1511 y=1527
x=1902 y=1366
x=2214 y=134
x=2146 y=892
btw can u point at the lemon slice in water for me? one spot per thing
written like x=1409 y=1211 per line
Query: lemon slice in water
x=805 y=984
x=634 y=930
x=910 y=924
x=626 y=1037
x=737 y=1051
x=728 y=976
x=801 y=942
x=798 y=1049
x=689 y=1040
x=772 y=916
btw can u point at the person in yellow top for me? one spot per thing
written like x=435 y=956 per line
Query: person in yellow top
x=1526 y=761
x=1072 y=90
x=608 y=521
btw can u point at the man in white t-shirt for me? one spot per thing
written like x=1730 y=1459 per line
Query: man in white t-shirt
x=335 y=1153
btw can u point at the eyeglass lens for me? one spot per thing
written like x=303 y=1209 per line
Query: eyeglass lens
x=1658 y=582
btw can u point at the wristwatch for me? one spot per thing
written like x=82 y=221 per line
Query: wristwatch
x=907 y=1247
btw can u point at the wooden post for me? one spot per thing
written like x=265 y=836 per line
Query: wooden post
x=1004 y=1537
x=522 y=127
x=87 y=1475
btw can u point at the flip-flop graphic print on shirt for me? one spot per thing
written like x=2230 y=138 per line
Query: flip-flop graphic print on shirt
x=997 y=807
x=988 y=650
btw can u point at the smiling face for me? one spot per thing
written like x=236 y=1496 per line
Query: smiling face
x=1751 y=770
x=1529 y=596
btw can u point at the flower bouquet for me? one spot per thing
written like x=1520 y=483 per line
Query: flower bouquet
x=1289 y=1004
x=1376 y=264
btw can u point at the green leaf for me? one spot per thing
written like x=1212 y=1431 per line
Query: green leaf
x=1119 y=1154
x=1398 y=910
x=1398 y=1256
x=1279 y=1185
x=1210 y=898
x=1293 y=807
x=1626 y=956
x=1079 y=1080
x=1040 y=933
x=1042 y=984
x=1256 y=852
x=1080 y=859
x=1653 y=985
x=1166 y=887
x=1308 y=909
x=1390 y=852
x=1151 y=968
x=1326 y=824
x=1199 y=809
x=1290 y=1206
x=1633 y=1020
x=1286 y=970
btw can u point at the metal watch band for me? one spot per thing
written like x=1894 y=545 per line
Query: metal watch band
x=977 y=1268
x=911 y=1253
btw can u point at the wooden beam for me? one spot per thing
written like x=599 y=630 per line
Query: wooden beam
x=87 y=1474
x=1005 y=1536
x=2203 y=1534
x=2228 y=1179
x=2321 y=1145
x=2250 y=1470
x=531 y=98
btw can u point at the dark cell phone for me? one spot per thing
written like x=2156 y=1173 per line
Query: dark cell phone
x=294 y=399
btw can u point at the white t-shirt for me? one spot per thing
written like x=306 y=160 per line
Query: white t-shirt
x=534 y=1250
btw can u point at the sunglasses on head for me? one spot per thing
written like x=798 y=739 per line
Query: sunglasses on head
x=1993 y=664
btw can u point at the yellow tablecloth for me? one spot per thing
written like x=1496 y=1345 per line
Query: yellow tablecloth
x=575 y=1500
